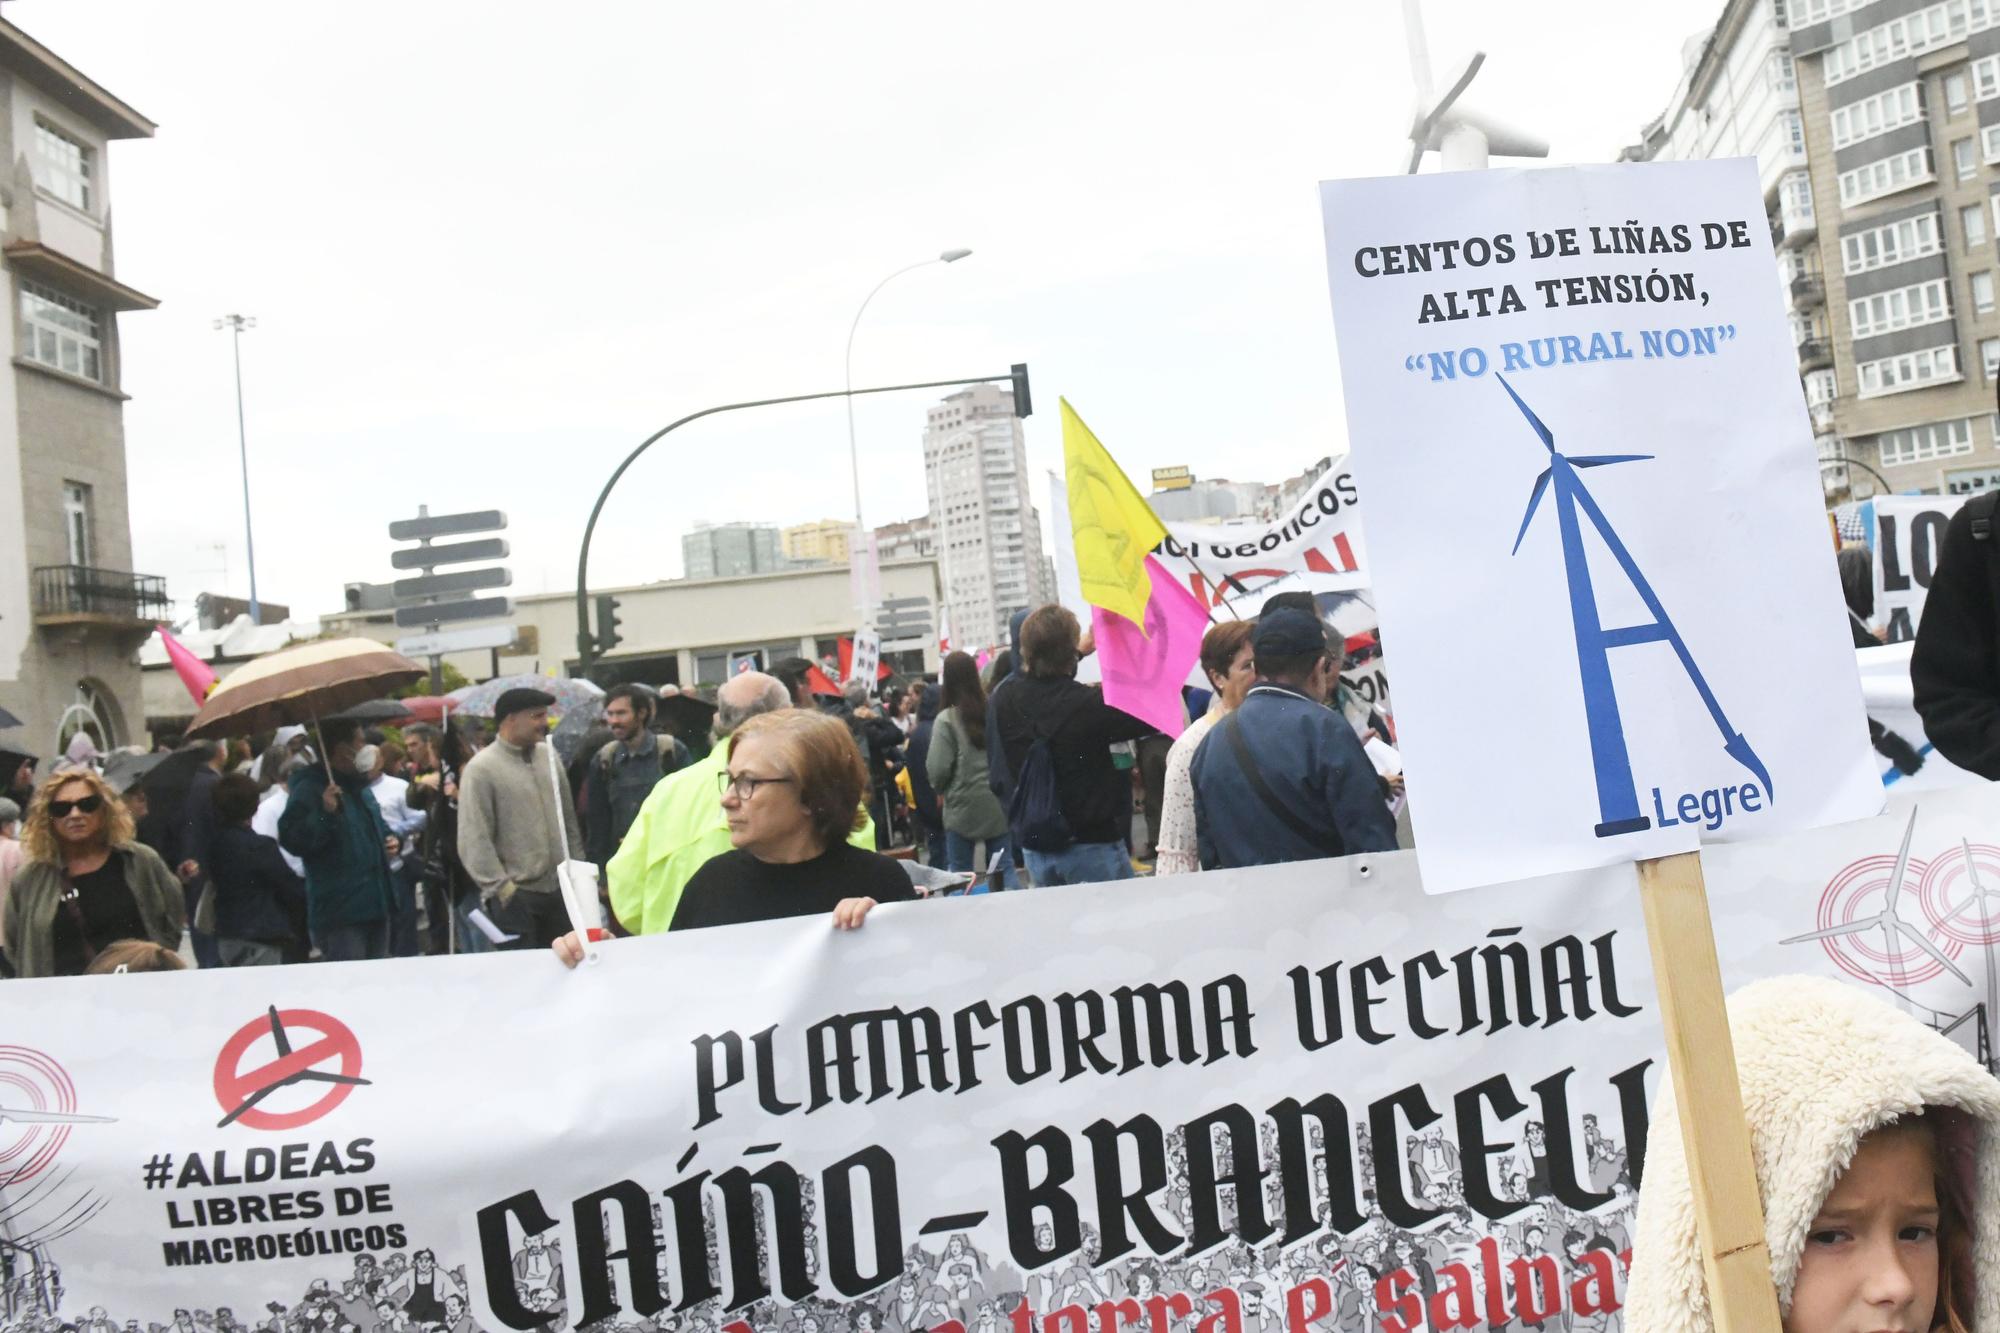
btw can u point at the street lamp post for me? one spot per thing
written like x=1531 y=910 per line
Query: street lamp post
x=586 y=641
x=236 y=324
x=853 y=452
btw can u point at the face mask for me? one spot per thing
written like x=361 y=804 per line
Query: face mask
x=365 y=757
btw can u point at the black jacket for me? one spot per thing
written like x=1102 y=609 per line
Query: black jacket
x=257 y=897
x=1081 y=729
x=1956 y=665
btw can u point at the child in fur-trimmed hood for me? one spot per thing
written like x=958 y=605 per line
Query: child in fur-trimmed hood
x=1877 y=1147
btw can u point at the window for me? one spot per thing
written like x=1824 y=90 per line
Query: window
x=1878 y=247
x=1973 y=219
x=1911 y=370
x=1986 y=78
x=1933 y=26
x=76 y=521
x=1963 y=159
x=1982 y=291
x=1888 y=175
x=1955 y=94
x=1885 y=111
x=1783 y=78
x=60 y=331
x=1903 y=308
x=1918 y=444
x=1795 y=133
x=1989 y=357
x=64 y=165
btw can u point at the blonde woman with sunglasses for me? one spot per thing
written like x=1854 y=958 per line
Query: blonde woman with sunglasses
x=87 y=882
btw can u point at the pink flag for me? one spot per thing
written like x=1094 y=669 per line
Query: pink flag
x=1144 y=671
x=196 y=674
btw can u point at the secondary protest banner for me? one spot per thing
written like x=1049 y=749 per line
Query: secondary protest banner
x=1904 y=755
x=1315 y=545
x=1905 y=534
x=1608 y=347
x=1300 y=1096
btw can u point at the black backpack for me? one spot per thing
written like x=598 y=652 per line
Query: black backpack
x=1035 y=815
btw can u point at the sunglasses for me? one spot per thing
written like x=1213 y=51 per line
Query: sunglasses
x=88 y=805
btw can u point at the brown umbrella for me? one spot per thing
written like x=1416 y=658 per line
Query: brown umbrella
x=302 y=684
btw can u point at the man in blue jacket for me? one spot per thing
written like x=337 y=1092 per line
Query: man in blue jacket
x=1283 y=778
x=337 y=830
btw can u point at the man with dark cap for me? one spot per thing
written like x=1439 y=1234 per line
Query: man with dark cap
x=512 y=834
x=1284 y=778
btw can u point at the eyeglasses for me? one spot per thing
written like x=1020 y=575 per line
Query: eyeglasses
x=744 y=787
x=88 y=805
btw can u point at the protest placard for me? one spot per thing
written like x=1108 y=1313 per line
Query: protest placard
x=1905 y=534
x=1574 y=401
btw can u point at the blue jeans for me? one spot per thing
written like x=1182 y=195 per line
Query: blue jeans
x=351 y=944
x=959 y=855
x=1080 y=863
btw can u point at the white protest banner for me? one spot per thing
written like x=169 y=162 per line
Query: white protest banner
x=1552 y=377
x=867 y=663
x=1905 y=534
x=1310 y=1080
x=1315 y=544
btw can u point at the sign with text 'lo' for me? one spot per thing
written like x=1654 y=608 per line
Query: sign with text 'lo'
x=1595 y=525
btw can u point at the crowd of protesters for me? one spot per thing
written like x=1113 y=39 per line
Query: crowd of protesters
x=348 y=842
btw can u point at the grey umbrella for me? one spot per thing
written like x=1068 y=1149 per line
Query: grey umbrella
x=7 y=720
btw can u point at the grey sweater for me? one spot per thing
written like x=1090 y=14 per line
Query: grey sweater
x=507 y=830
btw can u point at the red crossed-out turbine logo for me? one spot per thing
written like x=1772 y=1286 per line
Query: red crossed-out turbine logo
x=333 y=1060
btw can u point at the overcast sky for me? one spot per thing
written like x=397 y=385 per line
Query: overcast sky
x=491 y=246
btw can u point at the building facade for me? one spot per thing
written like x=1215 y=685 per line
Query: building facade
x=72 y=611
x=988 y=535
x=1738 y=96
x=1902 y=112
x=827 y=539
x=731 y=550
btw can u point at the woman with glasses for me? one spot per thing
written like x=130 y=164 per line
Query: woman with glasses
x=87 y=882
x=792 y=792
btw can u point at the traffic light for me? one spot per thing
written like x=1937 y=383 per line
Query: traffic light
x=1024 y=406
x=607 y=623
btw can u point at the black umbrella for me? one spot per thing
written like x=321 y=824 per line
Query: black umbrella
x=374 y=710
x=7 y=720
x=123 y=771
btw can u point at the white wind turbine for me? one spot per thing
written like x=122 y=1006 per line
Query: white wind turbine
x=1462 y=137
x=1889 y=923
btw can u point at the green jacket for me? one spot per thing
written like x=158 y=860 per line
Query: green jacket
x=347 y=868
x=958 y=771
x=38 y=888
x=678 y=830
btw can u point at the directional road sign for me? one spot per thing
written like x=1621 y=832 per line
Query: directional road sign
x=458 y=553
x=453 y=581
x=468 y=638
x=446 y=525
x=439 y=613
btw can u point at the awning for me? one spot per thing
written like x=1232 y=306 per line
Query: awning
x=38 y=261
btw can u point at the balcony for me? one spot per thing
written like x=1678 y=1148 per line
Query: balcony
x=1822 y=417
x=1808 y=289
x=1815 y=354
x=1793 y=225
x=82 y=597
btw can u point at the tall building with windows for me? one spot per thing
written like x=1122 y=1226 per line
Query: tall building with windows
x=72 y=611
x=1738 y=96
x=1902 y=103
x=827 y=539
x=731 y=550
x=987 y=534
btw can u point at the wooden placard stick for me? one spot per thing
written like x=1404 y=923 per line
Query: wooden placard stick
x=1729 y=1215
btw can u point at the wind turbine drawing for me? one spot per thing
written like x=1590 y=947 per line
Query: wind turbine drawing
x=1617 y=795
x=8 y=1115
x=1981 y=895
x=1889 y=923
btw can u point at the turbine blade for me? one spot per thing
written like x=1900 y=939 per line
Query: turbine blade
x=278 y=1033
x=1917 y=938
x=1534 y=498
x=1605 y=460
x=1548 y=438
x=1972 y=869
x=1833 y=932
x=1902 y=866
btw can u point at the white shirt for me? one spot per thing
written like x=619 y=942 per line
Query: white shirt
x=270 y=808
x=1175 y=850
x=391 y=794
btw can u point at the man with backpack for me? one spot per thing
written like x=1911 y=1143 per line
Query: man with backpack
x=1283 y=777
x=1057 y=736
x=624 y=772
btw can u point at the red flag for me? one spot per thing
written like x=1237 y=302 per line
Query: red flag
x=817 y=682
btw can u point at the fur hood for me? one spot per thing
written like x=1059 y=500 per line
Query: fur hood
x=1821 y=1064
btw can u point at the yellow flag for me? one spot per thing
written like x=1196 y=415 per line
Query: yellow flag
x=1114 y=528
